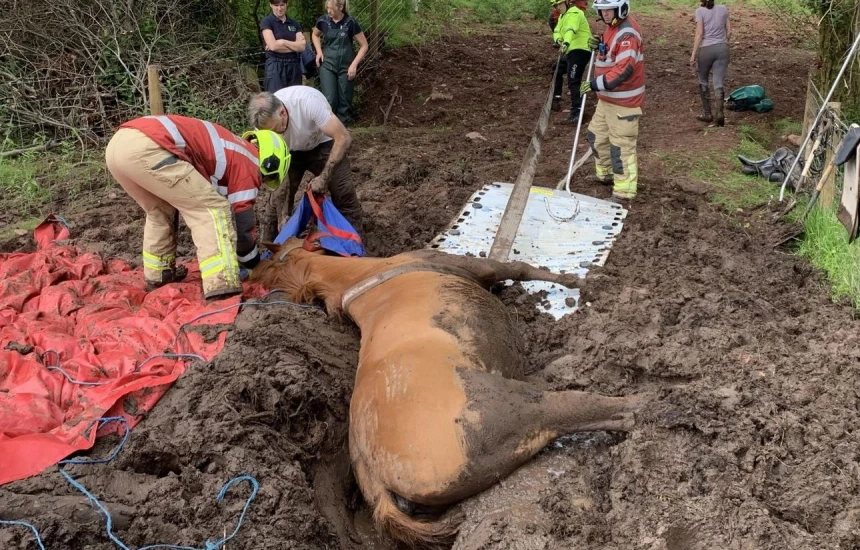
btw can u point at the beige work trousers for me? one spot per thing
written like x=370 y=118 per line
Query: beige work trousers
x=612 y=133
x=162 y=184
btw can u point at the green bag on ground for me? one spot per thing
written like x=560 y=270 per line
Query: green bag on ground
x=749 y=98
x=763 y=106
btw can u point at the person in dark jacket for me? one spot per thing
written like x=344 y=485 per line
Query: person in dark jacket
x=284 y=46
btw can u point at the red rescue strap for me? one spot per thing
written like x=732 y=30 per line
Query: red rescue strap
x=312 y=240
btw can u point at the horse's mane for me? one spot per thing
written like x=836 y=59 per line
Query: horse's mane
x=294 y=278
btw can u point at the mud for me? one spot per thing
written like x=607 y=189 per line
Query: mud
x=751 y=444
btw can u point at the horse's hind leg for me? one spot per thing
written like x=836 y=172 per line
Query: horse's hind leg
x=507 y=422
x=488 y=272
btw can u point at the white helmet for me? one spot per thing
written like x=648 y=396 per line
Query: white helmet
x=622 y=7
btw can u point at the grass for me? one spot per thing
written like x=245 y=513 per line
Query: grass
x=785 y=126
x=656 y=7
x=29 y=184
x=825 y=245
x=720 y=170
x=27 y=226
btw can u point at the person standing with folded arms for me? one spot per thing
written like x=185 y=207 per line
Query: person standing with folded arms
x=284 y=46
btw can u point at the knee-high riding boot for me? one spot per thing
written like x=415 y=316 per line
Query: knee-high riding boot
x=705 y=93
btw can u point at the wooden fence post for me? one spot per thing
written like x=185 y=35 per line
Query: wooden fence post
x=829 y=190
x=156 y=105
x=807 y=119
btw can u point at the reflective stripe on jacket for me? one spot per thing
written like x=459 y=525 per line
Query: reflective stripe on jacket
x=620 y=74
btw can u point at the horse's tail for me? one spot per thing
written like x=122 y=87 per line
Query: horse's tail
x=390 y=519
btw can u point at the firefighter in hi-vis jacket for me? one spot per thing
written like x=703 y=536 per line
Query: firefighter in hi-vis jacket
x=619 y=82
x=174 y=164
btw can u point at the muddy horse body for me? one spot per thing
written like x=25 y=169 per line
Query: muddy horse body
x=439 y=411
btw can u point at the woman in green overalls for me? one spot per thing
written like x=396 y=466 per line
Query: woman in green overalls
x=336 y=58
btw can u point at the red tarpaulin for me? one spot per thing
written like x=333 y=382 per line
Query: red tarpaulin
x=75 y=336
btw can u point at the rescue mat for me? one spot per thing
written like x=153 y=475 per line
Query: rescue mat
x=327 y=228
x=81 y=339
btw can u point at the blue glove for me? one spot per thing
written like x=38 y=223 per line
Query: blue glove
x=586 y=87
x=244 y=273
x=266 y=255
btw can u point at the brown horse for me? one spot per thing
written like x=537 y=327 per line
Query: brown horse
x=439 y=411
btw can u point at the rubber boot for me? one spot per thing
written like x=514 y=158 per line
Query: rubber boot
x=706 y=115
x=721 y=99
x=556 y=103
x=172 y=275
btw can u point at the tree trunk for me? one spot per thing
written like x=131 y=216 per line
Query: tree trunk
x=838 y=30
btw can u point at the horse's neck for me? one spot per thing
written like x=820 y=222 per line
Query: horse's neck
x=332 y=276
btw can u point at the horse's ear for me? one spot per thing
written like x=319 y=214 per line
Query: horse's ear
x=274 y=248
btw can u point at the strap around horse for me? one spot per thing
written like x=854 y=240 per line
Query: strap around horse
x=357 y=290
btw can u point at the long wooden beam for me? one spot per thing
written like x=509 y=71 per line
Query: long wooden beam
x=513 y=215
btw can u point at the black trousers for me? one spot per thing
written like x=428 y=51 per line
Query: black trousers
x=573 y=64
x=340 y=184
x=281 y=73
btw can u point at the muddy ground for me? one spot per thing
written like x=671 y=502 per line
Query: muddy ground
x=751 y=444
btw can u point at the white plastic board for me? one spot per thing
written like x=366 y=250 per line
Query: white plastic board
x=565 y=232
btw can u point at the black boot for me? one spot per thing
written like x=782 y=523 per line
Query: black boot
x=706 y=115
x=721 y=98
x=572 y=118
x=556 y=103
x=172 y=275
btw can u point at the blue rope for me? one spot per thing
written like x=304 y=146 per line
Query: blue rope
x=78 y=382
x=68 y=377
x=27 y=525
x=255 y=485
x=170 y=356
x=209 y=545
x=113 y=455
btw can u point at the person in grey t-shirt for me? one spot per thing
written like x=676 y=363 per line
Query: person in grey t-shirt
x=711 y=50
x=318 y=143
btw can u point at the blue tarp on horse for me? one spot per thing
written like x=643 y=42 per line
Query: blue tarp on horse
x=333 y=233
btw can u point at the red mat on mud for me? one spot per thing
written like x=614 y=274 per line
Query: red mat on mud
x=61 y=307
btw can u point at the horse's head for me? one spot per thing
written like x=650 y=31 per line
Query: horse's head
x=284 y=272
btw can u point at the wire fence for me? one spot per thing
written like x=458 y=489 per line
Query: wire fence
x=87 y=102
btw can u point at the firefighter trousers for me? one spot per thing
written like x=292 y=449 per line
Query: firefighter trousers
x=161 y=184
x=612 y=134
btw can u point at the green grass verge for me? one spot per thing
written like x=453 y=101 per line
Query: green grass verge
x=720 y=171
x=825 y=241
x=31 y=182
x=23 y=226
x=825 y=245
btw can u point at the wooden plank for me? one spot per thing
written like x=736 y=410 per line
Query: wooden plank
x=828 y=192
x=513 y=215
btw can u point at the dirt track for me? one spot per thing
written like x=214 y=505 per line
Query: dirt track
x=752 y=444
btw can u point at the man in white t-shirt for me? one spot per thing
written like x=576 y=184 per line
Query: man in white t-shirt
x=318 y=143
